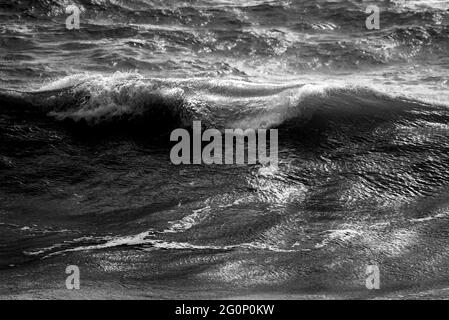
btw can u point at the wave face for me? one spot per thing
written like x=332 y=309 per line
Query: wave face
x=86 y=177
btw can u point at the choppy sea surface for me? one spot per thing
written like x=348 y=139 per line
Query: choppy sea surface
x=86 y=178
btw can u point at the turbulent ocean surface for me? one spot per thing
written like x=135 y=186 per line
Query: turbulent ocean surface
x=86 y=178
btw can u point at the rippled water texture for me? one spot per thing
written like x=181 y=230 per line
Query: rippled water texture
x=86 y=178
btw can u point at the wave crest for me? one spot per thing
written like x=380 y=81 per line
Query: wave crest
x=124 y=97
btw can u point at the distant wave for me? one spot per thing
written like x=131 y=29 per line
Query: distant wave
x=219 y=38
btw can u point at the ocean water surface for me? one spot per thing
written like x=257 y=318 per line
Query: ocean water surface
x=85 y=171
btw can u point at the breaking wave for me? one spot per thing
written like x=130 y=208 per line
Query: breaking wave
x=128 y=97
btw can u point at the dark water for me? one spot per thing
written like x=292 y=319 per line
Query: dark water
x=86 y=178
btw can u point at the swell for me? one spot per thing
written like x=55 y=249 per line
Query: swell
x=308 y=36
x=343 y=10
